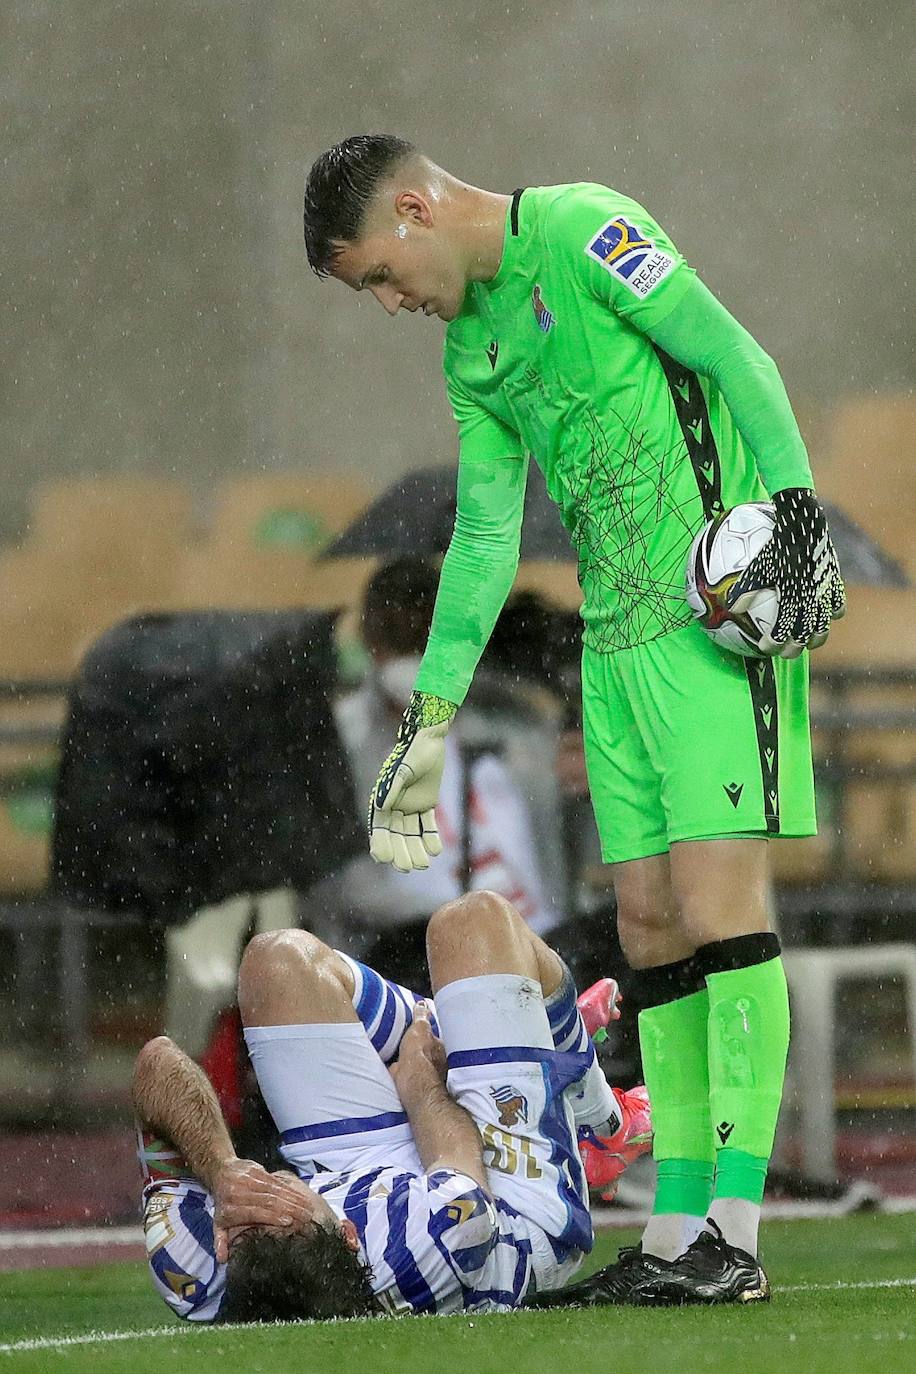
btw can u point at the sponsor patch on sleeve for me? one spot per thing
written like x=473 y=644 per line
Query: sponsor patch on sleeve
x=628 y=254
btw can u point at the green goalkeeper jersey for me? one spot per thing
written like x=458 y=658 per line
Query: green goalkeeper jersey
x=559 y=356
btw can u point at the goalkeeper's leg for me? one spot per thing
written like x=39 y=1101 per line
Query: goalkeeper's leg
x=715 y=1034
x=723 y=890
x=673 y=1040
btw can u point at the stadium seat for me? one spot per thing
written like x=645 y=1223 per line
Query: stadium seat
x=219 y=576
x=802 y=860
x=99 y=550
x=24 y=855
x=130 y=512
x=877 y=630
x=286 y=511
x=555 y=582
x=813 y=976
x=879 y=829
x=868 y=467
x=38 y=631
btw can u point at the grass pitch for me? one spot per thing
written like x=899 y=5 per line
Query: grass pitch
x=844 y=1299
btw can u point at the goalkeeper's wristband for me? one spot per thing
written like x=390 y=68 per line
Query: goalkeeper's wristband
x=424 y=709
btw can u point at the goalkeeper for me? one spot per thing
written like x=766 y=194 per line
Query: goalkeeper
x=578 y=334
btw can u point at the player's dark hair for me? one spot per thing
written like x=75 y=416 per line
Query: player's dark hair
x=339 y=189
x=308 y=1276
x=398 y=606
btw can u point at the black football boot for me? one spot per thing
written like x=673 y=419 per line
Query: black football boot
x=607 y=1287
x=710 y=1271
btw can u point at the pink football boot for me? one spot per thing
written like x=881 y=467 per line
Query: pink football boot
x=606 y=1156
x=598 y=1005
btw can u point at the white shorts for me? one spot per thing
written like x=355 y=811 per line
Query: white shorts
x=337 y=1109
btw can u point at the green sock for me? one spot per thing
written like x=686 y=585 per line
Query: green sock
x=673 y=1039
x=748 y=1043
x=741 y=1175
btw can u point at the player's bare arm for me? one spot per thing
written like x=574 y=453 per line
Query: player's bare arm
x=445 y=1135
x=173 y=1097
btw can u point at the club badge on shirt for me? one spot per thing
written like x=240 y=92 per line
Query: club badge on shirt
x=630 y=255
x=545 y=318
x=513 y=1105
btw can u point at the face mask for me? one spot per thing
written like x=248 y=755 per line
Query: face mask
x=396 y=678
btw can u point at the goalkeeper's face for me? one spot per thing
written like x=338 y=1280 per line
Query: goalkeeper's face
x=408 y=262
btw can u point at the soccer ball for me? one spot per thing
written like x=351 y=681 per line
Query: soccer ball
x=718 y=556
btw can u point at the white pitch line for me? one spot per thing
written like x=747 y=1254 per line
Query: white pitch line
x=106 y=1337
x=77 y=1235
x=153 y=1332
x=839 y=1285
x=615 y=1218
x=601 y=1216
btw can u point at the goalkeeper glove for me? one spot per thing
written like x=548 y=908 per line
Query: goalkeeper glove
x=799 y=563
x=402 y=808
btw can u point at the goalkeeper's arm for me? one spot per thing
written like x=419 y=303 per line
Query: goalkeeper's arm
x=799 y=562
x=700 y=333
x=477 y=575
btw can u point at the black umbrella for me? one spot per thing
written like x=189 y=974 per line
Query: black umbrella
x=201 y=761
x=416 y=514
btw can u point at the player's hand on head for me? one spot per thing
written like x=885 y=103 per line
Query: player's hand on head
x=245 y=1194
x=402 y=819
x=799 y=562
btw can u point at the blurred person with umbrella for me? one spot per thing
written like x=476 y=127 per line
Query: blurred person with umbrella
x=578 y=333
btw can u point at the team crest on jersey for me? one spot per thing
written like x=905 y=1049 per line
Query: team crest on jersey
x=545 y=319
x=513 y=1106
x=630 y=255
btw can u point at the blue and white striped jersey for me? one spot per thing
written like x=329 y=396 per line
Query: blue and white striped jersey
x=435 y=1243
x=178 y=1227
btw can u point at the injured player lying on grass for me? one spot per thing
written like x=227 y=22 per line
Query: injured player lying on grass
x=435 y=1148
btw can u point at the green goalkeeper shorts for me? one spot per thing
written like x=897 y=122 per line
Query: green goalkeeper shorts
x=686 y=741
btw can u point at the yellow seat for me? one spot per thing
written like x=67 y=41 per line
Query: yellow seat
x=286 y=512
x=220 y=577
x=24 y=856
x=879 y=834
x=804 y=860
x=868 y=468
x=129 y=512
x=38 y=633
x=878 y=630
x=556 y=582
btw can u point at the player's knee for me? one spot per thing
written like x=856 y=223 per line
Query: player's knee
x=477 y=916
x=276 y=954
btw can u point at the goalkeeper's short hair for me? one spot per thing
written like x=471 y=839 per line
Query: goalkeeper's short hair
x=307 y=1275
x=339 y=190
